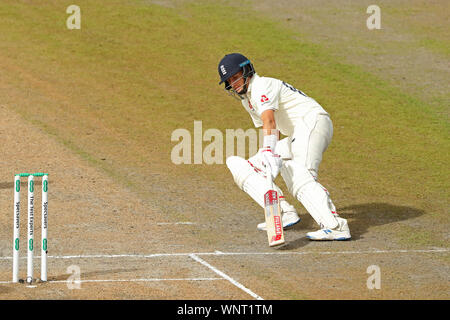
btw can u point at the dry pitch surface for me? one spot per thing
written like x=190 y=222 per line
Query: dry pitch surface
x=124 y=249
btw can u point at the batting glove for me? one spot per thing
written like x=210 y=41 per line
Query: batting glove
x=269 y=158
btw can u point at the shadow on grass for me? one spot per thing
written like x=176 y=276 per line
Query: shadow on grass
x=361 y=217
x=364 y=216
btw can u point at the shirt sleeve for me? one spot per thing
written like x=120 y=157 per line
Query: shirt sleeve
x=267 y=94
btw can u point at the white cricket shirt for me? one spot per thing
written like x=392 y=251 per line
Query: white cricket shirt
x=290 y=104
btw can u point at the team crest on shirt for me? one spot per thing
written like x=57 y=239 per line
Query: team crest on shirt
x=264 y=99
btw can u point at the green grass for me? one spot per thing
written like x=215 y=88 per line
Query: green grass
x=419 y=236
x=436 y=46
x=135 y=72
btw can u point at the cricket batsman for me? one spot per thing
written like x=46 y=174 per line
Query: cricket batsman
x=277 y=106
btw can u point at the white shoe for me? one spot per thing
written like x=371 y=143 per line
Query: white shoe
x=289 y=219
x=341 y=232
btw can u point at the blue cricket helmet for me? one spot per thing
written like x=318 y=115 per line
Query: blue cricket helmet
x=233 y=63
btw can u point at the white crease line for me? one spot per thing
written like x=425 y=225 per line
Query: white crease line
x=174 y=223
x=100 y=256
x=124 y=280
x=223 y=275
x=154 y=255
x=220 y=253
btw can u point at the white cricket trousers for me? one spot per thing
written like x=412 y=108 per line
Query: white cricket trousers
x=308 y=142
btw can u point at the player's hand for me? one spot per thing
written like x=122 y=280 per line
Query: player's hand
x=269 y=158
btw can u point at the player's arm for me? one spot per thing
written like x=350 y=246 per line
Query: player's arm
x=268 y=119
x=269 y=128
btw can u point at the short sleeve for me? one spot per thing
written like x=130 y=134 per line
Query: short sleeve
x=267 y=94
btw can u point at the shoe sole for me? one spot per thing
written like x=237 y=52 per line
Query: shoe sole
x=289 y=225
x=337 y=239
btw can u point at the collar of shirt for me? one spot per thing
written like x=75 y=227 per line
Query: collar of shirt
x=252 y=79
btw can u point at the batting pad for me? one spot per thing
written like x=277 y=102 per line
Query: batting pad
x=250 y=179
x=313 y=196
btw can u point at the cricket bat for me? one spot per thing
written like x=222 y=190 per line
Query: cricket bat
x=272 y=213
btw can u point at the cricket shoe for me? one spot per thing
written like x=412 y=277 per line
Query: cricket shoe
x=341 y=232
x=288 y=218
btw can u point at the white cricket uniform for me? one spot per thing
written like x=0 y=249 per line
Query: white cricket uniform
x=309 y=130
x=297 y=116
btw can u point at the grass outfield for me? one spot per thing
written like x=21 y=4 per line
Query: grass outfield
x=115 y=90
